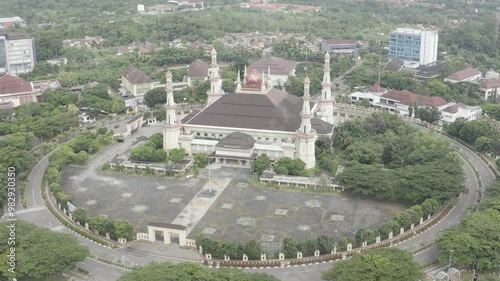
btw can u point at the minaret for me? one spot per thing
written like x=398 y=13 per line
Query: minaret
x=262 y=83
x=171 y=127
x=214 y=93
x=269 y=83
x=306 y=135
x=238 y=82
x=326 y=100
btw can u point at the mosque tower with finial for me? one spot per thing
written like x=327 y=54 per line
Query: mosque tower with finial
x=306 y=135
x=172 y=126
x=326 y=100
x=214 y=93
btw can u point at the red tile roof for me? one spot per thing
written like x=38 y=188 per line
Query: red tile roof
x=10 y=84
x=464 y=74
x=376 y=89
x=490 y=83
x=454 y=108
x=408 y=98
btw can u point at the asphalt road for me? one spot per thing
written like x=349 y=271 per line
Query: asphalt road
x=38 y=214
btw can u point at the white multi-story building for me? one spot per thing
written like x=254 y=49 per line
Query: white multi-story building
x=17 y=53
x=414 y=45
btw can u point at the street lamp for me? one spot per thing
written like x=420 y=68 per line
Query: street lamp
x=449 y=263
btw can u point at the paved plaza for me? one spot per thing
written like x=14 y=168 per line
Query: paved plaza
x=240 y=212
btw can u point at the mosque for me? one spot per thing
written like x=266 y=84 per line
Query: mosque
x=257 y=119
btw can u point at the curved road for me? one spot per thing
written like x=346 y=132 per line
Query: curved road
x=38 y=214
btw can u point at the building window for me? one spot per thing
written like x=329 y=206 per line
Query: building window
x=213 y=136
x=220 y=136
x=198 y=134
x=275 y=140
x=267 y=139
x=283 y=140
x=259 y=138
x=205 y=134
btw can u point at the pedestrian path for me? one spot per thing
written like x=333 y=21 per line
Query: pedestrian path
x=199 y=205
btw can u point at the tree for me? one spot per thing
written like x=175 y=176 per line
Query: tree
x=191 y=272
x=482 y=143
x=325 y=244
x=80 y=215
x=383 y=264
x=124 y=229
x=177 y=154
x=472 y=130
x=430 y=206
x=155 y=97
x=290 y=247
x=260 y=164
x=324 y=181
x=40 y=252
x=253 y=250
x=429 y=114
x=438 y=88
x=97 y=223
x=228 y=85
x=201 y=160
x=477 y=234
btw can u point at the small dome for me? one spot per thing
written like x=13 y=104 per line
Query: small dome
x=253 y=79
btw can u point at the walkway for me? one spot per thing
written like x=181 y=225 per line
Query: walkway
x=199 y=205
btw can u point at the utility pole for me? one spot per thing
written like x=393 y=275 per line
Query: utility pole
x=449 y=263
x=474 y=276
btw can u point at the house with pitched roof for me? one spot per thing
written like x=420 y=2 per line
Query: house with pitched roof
x=460 y=110
x=135 y=82
x=489 y=89
x=401 y=101
x=469 y=74
x=15 y=91
x=276 y=70
x=197 y=71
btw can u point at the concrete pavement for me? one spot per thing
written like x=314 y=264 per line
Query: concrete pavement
x=40 y=216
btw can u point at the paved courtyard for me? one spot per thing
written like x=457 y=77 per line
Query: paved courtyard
x=137 y=198
x=241 y=212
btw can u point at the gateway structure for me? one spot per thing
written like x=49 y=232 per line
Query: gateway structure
x=257 y=119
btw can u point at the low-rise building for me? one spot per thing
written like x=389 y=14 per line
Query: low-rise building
x=489 y=89
x=469 y=74
x=197 y=71
x=460 y=110
x=339 y=46
x=6 y=23
x=276 y=70
x=44 y=85
x=135 y=82
x=15 y=91
x=401 y=101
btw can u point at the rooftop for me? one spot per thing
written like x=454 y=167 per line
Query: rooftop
x=198 y=68
x=237 y=140
x=15 y=35
x=464 y=74
x=339 y=42
x=136 y=76
x=489 y=83
x=10 y=84
x=278 y=66
x=408 y=98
